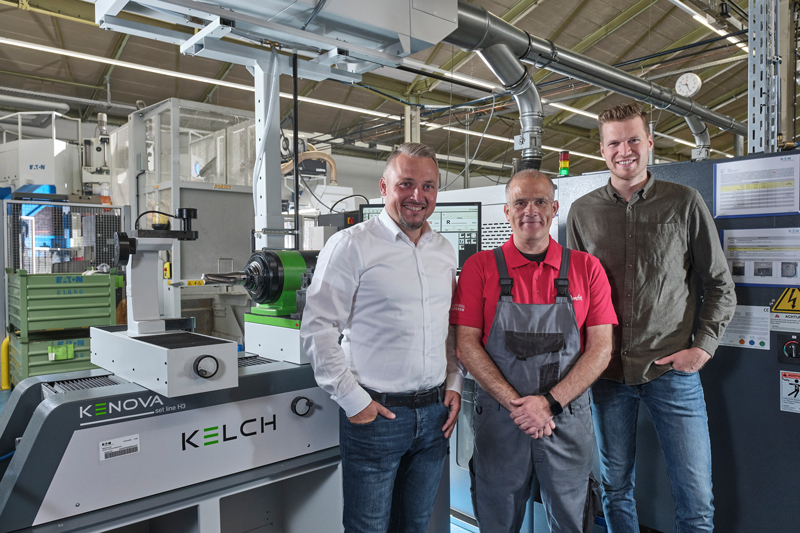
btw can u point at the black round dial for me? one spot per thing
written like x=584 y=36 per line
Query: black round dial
x=301 y=406
x=206 y=366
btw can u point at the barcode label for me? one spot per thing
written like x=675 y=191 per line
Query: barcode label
x=122 y=451
x=109 y=449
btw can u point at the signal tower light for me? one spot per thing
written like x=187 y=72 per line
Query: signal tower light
x=563 y=163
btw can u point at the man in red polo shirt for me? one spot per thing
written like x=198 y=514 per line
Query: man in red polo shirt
x=534 y=325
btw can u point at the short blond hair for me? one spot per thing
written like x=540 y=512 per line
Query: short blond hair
x=621 y=113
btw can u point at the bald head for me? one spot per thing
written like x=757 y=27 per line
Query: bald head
x=530 y=174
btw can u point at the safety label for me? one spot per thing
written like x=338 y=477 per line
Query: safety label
x=790 y=391
x=749 y=328
x=789 y=302
x=109 y=449
x=784 y=322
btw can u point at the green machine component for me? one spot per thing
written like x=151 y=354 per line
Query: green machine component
x=42 y=302
x=49 y=355
x=276 y=281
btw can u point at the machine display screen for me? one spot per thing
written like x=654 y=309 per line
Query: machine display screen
x=459 y=223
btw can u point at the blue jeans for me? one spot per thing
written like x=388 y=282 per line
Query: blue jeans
x=677 y=406
x=391 y=469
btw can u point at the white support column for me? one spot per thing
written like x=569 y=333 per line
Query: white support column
x=172 y=295
x=268 y=189
x=137 y=161
x=412 y=120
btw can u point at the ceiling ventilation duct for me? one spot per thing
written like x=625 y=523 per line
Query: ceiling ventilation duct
x=497 y=41
x=35 y=121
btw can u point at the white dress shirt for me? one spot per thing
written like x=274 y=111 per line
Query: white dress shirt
x=390 y=300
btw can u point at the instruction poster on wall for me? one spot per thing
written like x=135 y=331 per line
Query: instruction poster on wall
x=768 y=256
x=749 y=328
x=790 y=391
x=757 y=187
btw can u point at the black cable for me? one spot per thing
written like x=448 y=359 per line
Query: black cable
x=308 y=188
x=444 y=78
x=659 y=54
x=461 y=123
x=470 y=103
x=378 y=91
x=296 y=133
x=330 y=210
x=136 y=223
x=137 y=189
x=742 y=12
x=314 y=13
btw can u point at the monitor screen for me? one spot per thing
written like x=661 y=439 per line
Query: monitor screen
x=459 y=223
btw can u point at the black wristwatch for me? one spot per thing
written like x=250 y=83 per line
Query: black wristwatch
x=555 y=407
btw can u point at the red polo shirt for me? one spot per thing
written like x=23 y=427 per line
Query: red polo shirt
x=475 y=301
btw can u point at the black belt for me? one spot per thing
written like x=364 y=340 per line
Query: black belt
x=413 y=399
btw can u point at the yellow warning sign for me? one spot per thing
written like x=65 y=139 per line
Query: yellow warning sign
x=789 y=302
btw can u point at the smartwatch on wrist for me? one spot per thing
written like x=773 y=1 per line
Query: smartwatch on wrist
x=555 y=407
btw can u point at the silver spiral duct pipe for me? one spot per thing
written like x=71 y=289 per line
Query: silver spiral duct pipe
x=479 y=29
x=28 y=103
x=69 y=99
x=515 y=78
x=31 y=121
x=702 y=139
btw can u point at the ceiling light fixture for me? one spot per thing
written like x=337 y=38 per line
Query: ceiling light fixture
x=572 y=109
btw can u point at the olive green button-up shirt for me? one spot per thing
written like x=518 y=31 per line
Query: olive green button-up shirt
x=649 y=248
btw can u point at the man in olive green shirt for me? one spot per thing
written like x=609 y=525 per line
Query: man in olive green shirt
x=650 y=236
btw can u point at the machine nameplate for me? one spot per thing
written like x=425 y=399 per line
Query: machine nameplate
x=110 y=449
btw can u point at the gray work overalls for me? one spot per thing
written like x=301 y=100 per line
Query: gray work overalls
x=533 y=346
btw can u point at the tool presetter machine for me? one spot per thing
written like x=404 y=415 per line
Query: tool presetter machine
x=178 y=432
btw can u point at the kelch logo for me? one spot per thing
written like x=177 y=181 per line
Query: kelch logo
x=108 y=408
x=212 y=435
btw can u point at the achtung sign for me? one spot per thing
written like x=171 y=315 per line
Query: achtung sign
x=789 y=302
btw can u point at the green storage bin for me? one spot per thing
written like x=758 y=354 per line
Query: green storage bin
x=47 y=356
x=44 y=302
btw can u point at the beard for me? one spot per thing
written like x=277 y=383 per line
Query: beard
x=411 y=225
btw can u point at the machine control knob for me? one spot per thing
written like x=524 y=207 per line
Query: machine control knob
x=206 y=366
x=301 y=406
x=792 y=349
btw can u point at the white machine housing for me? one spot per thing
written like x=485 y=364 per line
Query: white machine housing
x=275 y=342
x=147 y=360
x=38 y=162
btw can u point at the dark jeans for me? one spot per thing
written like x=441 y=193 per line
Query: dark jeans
x=391 y=469
x=678 y=409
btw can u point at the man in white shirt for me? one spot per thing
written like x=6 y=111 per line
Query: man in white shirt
x=385 y=286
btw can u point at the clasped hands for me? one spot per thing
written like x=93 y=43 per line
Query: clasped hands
x=532 y=415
